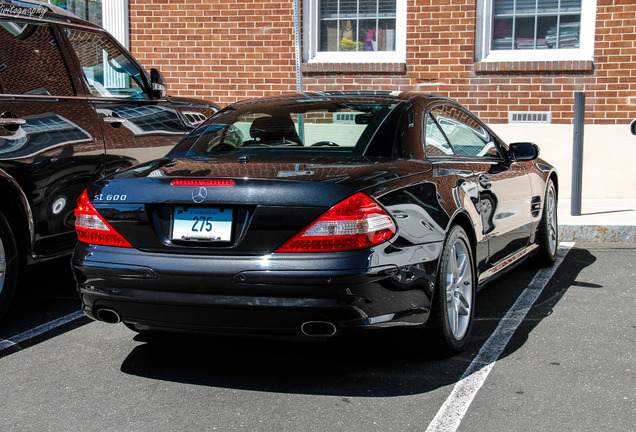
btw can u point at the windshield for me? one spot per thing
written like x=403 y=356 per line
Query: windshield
x=312 y=125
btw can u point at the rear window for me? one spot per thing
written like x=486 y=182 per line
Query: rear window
x=313 y=125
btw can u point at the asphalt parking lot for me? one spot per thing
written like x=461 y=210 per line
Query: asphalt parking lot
x=567 y=363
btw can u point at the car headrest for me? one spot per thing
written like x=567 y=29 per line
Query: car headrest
x=274 y=128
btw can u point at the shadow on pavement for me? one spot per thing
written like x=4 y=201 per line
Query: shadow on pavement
x=367 y=364
x=45 y=293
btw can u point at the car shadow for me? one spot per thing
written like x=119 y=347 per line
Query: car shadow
x=45 y=293
x=364 y=365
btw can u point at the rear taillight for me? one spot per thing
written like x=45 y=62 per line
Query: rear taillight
x=92 y=228
x=355 y=223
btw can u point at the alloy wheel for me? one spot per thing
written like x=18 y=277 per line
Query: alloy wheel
x=459 y=289
x=552 y=219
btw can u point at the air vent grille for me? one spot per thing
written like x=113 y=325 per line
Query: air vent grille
x=529 y=117
x=194 y=118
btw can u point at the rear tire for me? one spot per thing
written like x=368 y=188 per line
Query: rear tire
x=8 y=265
x=453 y=306
x=548 y=232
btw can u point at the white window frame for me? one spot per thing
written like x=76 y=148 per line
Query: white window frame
x=311 y=25
x=483 y=36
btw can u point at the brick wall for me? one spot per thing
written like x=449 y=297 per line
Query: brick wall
x=230 y=50
x=223 y=50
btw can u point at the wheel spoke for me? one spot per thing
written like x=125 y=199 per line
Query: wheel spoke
x=463 y=306
x=449 y=295
x=462 y=267
x=452 y=263
x=454 y=321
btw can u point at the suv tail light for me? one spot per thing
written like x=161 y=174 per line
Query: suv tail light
x=92 y=228
x=355 y=223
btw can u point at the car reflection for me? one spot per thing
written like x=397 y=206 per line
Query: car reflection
x=41 y=132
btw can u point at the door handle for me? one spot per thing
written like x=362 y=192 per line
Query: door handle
x=114 y=120
x=8 y=121
x=484 y=181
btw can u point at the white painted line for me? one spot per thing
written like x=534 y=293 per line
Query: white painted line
x=456 y=405
x=14 y=340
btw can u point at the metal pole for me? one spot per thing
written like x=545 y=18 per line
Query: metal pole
x=299 y=75
x=577 y=154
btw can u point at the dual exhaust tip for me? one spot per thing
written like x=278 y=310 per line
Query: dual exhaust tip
x=109 y=316
x=318 y=329
x=308 y=328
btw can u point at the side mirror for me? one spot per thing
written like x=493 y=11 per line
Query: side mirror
x=632 y=126
x=524 y=151
x=159 y=87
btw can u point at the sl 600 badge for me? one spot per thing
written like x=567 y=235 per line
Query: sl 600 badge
x=101 y=197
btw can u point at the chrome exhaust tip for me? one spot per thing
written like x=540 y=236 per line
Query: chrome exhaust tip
x=109 y=316
x=318 y=329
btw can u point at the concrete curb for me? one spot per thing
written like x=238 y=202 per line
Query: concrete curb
x=597 y=233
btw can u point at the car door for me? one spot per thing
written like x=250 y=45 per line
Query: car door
x=50 y=140
x=503 y=186
x=136 y=127
x=462 y=189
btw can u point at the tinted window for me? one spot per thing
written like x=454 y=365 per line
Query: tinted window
x=107 y=70
x=303 y=125
x=466 y=136
x=30 y=61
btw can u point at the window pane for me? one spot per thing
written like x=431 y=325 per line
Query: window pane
x=386 y=35
x=366 y=34
x=387 y=7
x=466 y=136
x=436 y=143
x=502 y=34
x=503 y=7
x=569 y=31
x=357 y=25
x=329 y=36
x=276 y=129
x=107 y=70
x=526 y=6
x=30 y=61
x=348 y=8
x=329 y=9
x=368 y=8
x=348 y=39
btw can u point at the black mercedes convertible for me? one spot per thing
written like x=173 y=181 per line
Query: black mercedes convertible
x=317 y=214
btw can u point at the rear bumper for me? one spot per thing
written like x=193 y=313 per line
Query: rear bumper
x=272 y=294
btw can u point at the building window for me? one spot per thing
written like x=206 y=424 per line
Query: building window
x=513 y=30
x=90 y=10
x=363 y=25
x=355 y=30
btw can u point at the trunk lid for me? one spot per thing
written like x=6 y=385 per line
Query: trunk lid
x=268 y=201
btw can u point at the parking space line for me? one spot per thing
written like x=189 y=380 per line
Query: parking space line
x=14 y=340
x=456 y=405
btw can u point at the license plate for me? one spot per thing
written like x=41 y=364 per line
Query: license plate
x=208 y=224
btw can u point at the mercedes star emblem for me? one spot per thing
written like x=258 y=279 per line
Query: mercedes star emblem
x=199 y=194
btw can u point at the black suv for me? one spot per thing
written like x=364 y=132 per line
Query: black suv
x=74 y=106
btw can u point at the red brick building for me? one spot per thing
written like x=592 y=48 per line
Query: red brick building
x=495 y=56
